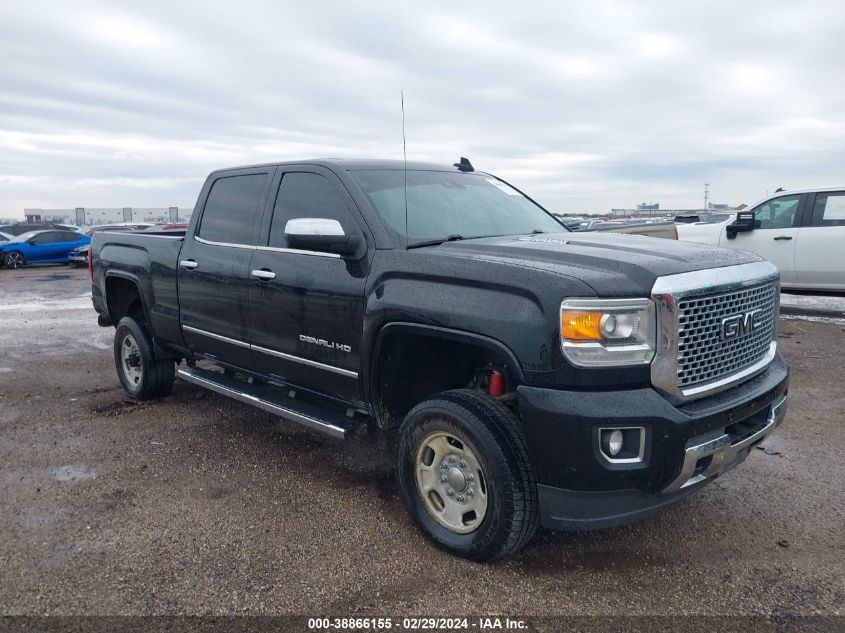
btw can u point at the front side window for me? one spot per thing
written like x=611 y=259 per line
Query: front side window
x=443 y=205
x=233 y=210
x=829 y=209
x=777 y=214
x=306 y=195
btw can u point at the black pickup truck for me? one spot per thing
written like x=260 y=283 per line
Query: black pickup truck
x=526 y=375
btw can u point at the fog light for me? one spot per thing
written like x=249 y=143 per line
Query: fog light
x=614 y=443
x=623 y=445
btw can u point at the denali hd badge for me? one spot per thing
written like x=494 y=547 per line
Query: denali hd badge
x=324 y=343
x=740 y=324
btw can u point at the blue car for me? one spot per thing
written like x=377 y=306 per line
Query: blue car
x=40 y=247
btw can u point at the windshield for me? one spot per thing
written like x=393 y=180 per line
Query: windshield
x=452 y=205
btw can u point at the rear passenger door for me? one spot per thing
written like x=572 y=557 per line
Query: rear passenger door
x=214 y=268
x=819 y=256
x=307 y=307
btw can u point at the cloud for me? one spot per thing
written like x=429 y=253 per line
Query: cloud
x=586 y=107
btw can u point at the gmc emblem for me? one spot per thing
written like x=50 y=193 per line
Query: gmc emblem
x=740 y=325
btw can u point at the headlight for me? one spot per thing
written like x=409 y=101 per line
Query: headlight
x=607 y=332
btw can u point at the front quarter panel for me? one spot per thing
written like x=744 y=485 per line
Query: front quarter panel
x=516 y=306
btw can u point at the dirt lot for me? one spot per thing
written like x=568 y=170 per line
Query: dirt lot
x=199 y=505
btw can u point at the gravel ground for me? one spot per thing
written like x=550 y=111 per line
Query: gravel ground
x=199 y=505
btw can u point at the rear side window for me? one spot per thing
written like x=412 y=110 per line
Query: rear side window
x=306 y=195
x=69 y=236
x=232 y=212
x=829 y=209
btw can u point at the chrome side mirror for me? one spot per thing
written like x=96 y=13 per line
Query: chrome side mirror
x=320 y=234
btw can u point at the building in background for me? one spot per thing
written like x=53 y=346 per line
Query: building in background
x=648 y=206
x=82 y=216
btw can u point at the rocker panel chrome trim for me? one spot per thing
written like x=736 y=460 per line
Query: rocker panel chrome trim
x=264 y=350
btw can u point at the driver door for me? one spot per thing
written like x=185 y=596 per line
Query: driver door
x=774 y=236
x=306 y=307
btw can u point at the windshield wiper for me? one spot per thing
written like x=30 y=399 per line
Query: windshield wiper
x=451 y=238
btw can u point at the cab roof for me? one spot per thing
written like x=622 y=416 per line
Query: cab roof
x=355 y=164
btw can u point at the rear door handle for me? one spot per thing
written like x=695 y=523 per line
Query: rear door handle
x=783 y=237
x=264 y=274
x=190 y=264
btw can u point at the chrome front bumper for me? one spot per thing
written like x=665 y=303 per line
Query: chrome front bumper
x=704 y=460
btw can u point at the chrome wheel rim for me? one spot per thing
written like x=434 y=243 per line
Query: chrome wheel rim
x=130 y=355
x=450 y=482
x=14 y=260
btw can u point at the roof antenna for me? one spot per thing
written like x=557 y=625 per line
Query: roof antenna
x=464 y=165
x=405 y=166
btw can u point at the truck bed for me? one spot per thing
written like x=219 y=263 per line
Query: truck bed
x=150 y=259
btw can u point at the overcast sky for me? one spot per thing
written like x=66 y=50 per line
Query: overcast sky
x=592 y=105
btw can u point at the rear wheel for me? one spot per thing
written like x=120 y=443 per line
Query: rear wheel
x=464 y=475
x=141 y=374
x=14 y=259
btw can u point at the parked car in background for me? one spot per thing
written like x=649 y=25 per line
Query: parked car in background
x=172 y=226
x=69 y=227
x=666 y=230
x=26 y=227
x=801 y=232
x=41 y=247
x=79 y=255
x=5 y=237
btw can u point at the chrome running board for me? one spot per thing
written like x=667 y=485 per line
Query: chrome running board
x=313 y=416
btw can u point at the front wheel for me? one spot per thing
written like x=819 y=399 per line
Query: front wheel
x=14 y=259
x=465 y=477
x=141 y=374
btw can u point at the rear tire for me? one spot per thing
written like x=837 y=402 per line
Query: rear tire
x=14 y=260
x=464 y=475
x=141 y=374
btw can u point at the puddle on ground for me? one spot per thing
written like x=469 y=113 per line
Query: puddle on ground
x=36 y=520
x=72 y=472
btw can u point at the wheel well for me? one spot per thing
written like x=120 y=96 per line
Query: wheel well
x=410 y=367
x=122 y=298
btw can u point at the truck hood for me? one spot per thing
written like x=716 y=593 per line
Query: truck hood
x=613 y=264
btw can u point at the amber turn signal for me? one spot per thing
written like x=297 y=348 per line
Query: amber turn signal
x=577 y=325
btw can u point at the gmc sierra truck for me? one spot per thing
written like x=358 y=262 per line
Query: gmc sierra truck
x=526 y=375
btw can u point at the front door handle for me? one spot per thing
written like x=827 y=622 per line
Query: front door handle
x=190 y=264
x=264 y=274
x=783 y=237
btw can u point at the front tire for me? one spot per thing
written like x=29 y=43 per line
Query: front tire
x=141 y=374
x=14 y=260
x=464 y=475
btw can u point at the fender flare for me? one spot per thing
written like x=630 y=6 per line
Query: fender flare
x=160 y=352
x=129 y=277
x=494 y=345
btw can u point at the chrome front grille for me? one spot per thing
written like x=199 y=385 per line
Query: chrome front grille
x=715 y=328
x=702 y=354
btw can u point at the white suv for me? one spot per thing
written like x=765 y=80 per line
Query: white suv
x=801 y=232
